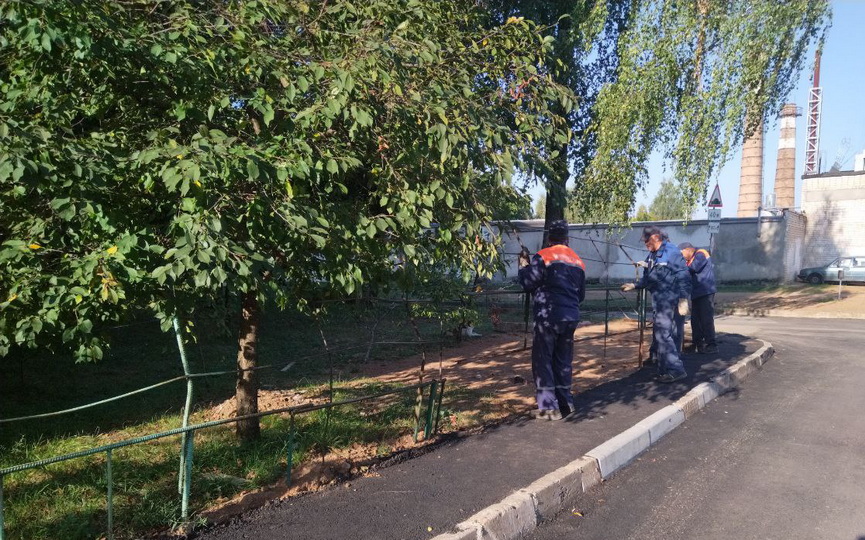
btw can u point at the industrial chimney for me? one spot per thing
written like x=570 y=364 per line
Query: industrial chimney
x=751 y=177
x=785 y=172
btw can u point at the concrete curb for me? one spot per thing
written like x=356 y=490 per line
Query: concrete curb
x=521 y=512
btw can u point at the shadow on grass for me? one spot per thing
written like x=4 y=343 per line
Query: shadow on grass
x=68 y=500
x=142 y=355
x=794 y=296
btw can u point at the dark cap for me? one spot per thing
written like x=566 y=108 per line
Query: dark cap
x=558 y=230
x=651 y=230
x=686 y=245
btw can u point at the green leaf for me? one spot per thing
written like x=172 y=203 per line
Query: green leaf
x=267 y=115
x=319 y=240
x=252 y=169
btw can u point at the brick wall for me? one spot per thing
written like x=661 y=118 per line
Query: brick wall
x=834 y=204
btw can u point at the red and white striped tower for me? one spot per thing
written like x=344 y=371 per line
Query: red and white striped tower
x=785 y=172
x=751 y=176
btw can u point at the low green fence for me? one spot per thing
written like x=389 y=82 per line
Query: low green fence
x=429 y=426
x=428 y=394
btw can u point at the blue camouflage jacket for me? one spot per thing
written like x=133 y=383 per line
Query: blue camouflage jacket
x=702 y=274
x=667 y=276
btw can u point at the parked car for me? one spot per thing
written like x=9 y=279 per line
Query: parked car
x=853 y=268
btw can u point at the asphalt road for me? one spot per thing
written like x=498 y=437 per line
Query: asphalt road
x=782 y=457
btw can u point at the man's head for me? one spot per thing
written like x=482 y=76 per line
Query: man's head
x=687 y=250
x=558 y=232
x=653 y=237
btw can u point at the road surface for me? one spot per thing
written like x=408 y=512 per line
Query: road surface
x=782 y=457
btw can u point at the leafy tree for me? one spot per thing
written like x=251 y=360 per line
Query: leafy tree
x=643 y=214
x=541 y=207
x=670 y=75
x=156 y=154
x=518 y=207
x=669 y=203
x=573 y=213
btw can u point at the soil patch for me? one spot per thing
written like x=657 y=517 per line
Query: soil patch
x=798 y=300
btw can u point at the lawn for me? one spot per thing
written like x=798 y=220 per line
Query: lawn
x=68 y=500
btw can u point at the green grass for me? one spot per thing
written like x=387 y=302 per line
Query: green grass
x=68 y=499
x=142 y=355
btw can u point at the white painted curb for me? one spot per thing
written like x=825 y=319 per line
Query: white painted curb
x=522 y=511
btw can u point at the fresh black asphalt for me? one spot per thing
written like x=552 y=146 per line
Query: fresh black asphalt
x=783 y=457
x=428 y=495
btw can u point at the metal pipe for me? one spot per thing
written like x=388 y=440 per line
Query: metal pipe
x=439 y=407
x=2 y=526
x=430 y=405
x=641 y=309
x=189 y=443
x=606 y=320
x=290 y=457
x=188 y=404
x=109 y=478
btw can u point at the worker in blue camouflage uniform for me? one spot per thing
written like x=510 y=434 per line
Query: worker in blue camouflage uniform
x=678 y=318
x=666 y=277
x=557 y=278
x=702 y=297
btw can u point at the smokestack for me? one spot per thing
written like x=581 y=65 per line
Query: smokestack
x=785 y=172
x=751 y=177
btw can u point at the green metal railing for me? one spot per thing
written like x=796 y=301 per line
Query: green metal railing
x=187 y=432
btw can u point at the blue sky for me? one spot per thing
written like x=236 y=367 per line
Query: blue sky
x=842 y=76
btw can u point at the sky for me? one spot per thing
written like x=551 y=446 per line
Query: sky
x=842 y=77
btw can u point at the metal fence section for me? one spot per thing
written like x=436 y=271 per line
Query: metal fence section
x=508 y=308
x=436 y=389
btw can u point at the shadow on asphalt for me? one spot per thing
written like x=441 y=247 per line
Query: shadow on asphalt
x=636 y=390
x=640 y=386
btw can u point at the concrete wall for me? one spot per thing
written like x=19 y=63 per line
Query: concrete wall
x=835 y=206
x=743 y=251
x=797 y=229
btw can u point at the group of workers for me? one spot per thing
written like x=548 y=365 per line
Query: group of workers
x=680 y=278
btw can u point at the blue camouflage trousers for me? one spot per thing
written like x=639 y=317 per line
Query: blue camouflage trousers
x=667 y=329
x=680 y=335
x=552 y=364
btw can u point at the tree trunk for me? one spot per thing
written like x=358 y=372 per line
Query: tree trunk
x=246 y=394
x=557 y=190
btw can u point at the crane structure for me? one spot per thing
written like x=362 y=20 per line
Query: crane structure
x=815 y=107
